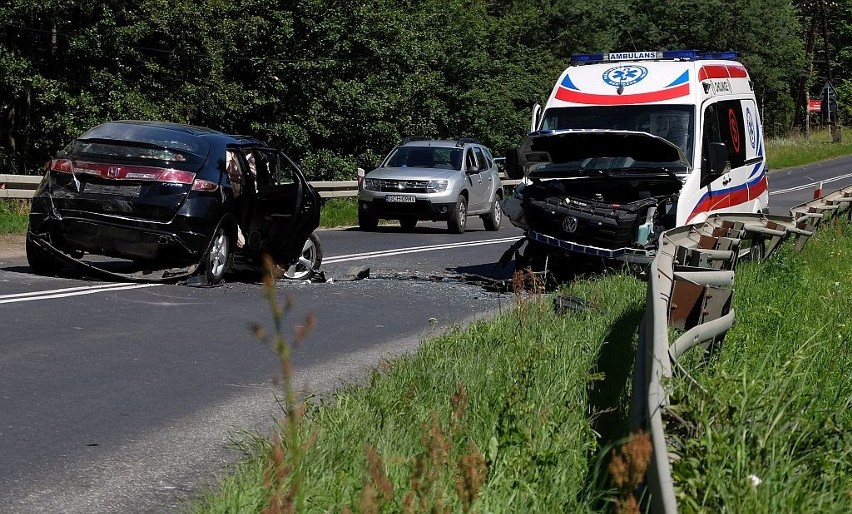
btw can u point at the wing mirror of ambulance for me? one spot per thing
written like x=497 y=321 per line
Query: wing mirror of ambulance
x=536 y=112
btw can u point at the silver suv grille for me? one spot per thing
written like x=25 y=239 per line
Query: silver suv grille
x=403 y=186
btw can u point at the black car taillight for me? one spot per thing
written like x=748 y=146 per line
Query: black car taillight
x=204 y=185
x=122 y=172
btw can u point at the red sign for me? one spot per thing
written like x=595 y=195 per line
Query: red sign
x=814 y=105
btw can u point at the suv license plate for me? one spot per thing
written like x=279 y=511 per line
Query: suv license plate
x=400 y=198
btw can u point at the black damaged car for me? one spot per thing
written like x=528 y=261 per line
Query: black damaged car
x=171 y=201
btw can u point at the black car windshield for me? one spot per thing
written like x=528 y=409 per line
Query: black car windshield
x=442 y=157
x=674 y=123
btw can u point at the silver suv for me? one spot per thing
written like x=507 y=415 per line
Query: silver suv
x=427 y=179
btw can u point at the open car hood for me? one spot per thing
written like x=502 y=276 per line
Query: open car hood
x=566 y=146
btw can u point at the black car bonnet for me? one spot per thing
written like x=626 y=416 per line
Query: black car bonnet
x=566 y=146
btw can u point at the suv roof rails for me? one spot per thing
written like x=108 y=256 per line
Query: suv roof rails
x=409 y=139
x=465 y=140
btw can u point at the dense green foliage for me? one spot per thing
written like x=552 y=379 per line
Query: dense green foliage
x=338 y=82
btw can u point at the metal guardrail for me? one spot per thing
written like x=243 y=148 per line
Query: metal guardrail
x=24 y=186
x=18 y=186
x=690 y=288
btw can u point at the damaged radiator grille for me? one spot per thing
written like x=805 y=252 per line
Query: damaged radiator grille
x=602 y=225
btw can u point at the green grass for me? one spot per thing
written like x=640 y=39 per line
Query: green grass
x=515 y=404
x=792 y=152
x=339 y=212
x=519 y=413
x=13 y=216
x=776 y=401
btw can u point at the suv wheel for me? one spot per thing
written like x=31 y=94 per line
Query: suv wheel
x=408 y=223
x=494 y=217
x=458 y=220
x=367 y=221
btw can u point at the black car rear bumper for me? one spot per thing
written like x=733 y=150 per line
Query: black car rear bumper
x=178 y=243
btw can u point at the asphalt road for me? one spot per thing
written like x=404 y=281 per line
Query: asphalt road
x=126 y=397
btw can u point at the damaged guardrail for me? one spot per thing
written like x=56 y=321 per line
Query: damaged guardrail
x=690 y=288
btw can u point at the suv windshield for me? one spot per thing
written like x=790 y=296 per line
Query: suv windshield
x=674 y=123
x=447 y=158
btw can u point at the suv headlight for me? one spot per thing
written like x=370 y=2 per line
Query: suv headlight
x=372 y=184
x=436 y=186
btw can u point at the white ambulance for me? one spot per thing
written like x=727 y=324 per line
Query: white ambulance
x=630 y=144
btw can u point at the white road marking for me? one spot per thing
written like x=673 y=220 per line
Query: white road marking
x=809 y=185
x=68 y=292
x=415 y=249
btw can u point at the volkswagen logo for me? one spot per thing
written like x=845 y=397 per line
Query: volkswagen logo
x=569 y=224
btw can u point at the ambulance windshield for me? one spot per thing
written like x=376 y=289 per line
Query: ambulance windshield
x=672 y=122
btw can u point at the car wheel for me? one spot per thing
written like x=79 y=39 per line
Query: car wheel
x=493 y=219
x=218 y=257
x=458 y=219
x=408 y=223
x=40 y=260
x=367 y=221
x=309 y=260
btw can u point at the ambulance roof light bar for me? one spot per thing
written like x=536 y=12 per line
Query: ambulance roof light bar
x=686 y=55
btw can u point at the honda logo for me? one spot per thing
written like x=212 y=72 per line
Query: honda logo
x=569 y=224
x=112 y=172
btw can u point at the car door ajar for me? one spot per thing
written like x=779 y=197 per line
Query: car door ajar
x=473 y=170
x=287 y=207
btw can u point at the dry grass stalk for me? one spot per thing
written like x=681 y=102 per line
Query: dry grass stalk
x=627 y=468
x=284 y=477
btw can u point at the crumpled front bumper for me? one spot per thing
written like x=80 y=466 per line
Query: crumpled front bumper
x=626 y=254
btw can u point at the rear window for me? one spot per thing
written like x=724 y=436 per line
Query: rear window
x=124 y=151
x=119 y=151
x=140 y=144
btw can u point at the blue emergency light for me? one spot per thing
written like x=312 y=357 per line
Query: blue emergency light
x=683 y=55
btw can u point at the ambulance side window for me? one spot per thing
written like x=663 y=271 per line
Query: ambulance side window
x=710 y=134
x=723 y=123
